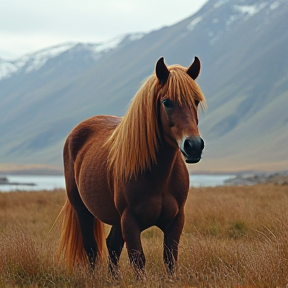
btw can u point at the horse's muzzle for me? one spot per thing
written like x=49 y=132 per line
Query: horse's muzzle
x=192 y=147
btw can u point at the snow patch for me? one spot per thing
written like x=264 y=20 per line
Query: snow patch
x=115 y=42
x=214 y=38
x=32 y=61
x=220 y=3
x=250 y=10
x=274 y=5
x=193 y=23
x=36 y=61
x=231 y=19
x=108 y=45
x=136 y=36
x=7 y=69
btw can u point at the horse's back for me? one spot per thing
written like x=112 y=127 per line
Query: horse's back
x=85 y=156
x=95 y=129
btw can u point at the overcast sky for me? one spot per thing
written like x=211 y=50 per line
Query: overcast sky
x=29 y=25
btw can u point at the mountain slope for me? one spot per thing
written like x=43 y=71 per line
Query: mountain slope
x=243 y=48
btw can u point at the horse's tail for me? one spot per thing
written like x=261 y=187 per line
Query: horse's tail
x=71 y=248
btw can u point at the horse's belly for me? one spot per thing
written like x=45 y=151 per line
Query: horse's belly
x=100 y=203
x=95 y=192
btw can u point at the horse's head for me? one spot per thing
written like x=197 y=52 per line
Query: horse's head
x=179 y=99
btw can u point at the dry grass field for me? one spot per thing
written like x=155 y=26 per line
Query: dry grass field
x=233 y=237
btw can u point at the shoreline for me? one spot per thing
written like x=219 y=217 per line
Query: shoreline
x=60 y=172
x=246 y=179
x=5 y=181
x=239 y=179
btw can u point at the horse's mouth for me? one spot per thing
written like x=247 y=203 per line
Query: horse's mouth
x=192 y=161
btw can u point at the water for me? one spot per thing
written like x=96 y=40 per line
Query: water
x=208 y=180
x=41 y=183
x=54 y=182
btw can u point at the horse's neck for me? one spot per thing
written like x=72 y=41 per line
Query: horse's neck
x=166 y=157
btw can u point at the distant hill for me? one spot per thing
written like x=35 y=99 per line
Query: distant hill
x=243 y=46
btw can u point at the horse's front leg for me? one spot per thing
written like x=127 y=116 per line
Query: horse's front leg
x=171 y=240
x=131 y=234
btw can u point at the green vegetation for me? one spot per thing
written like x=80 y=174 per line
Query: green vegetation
x=233 y=237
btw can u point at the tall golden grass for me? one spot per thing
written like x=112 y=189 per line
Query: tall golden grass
x=233 y=237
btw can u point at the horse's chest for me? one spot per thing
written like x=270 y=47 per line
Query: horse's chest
x=156 y=210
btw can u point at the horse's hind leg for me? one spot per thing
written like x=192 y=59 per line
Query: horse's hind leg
x=86 y=222
x=115 y=244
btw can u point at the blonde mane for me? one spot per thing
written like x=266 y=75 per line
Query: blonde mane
x=135 y=141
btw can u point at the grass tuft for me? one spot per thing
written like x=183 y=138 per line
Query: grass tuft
x=237 y=229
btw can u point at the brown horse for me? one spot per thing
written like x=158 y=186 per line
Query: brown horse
x=129 y=172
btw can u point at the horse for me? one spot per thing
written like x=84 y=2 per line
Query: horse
x=130 y=172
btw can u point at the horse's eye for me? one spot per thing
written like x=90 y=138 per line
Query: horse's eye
x=167 y=103
x=197 y=102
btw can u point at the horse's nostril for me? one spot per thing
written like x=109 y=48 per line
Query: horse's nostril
x=188 y=146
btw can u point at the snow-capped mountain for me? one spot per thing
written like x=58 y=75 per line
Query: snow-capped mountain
x=91 y=52
x=243 y=47
x=221 y=16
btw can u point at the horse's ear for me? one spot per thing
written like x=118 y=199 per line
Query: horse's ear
x=162 y=71
x=194 y=70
